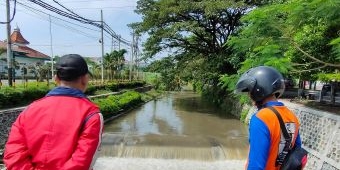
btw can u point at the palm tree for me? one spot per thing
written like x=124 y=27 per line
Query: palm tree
x=94 y=67
x=114 y=62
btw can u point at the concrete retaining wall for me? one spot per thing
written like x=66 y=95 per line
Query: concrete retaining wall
x=7 y=117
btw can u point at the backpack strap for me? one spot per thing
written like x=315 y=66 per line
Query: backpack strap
x=288 y=138
x=282 y=124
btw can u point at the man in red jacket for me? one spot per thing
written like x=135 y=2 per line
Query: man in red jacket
x=61 y=131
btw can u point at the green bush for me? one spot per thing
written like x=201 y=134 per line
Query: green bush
x=244 y=114
x=19 y=96
x=91 y=89
x=111 y=105
x=107 y=108
x=112 y=86
x=10 y=97
x=34 y=93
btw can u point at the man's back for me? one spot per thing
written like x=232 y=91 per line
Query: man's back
x=53 y=128
x=265 y=135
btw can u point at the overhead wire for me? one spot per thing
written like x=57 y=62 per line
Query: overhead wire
x=14 y=11
x=68 y=1
x=34 y=10
x=63 y=13
x=70 y=14
x=112 y=7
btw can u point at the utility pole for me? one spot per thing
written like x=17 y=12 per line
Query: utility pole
x=52 y=62
x=132 y=53
x=102 y=41
x=118 y=42
x=111 y=43
x=136 y=56
x=9 y=45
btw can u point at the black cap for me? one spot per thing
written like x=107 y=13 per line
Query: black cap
x=71 y=66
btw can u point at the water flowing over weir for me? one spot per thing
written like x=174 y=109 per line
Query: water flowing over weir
x=179 y=131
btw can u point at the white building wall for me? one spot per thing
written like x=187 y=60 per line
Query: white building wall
x=23 y=62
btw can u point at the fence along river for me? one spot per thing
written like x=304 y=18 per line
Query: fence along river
x=179 y=131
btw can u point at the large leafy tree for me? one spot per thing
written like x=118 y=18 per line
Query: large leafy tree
x=299 y=37
x=196 y=32
x=167 y=68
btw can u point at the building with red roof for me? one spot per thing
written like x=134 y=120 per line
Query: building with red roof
x=24 y=56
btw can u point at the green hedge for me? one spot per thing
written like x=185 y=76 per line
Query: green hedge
x=10 y=97
x=113 y=86
x=20 y=96
x=111 y=105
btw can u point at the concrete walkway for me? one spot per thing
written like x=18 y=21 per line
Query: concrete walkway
x=107 y=163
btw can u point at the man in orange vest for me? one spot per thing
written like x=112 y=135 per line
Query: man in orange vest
x=264 y=85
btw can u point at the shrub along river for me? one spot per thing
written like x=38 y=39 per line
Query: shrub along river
x=178 y=131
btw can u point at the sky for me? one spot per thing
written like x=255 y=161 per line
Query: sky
x=71 y=36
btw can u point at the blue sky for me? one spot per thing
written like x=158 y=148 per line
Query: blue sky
x=70 y=38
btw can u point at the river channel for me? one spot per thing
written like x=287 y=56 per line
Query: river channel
x=178 y=131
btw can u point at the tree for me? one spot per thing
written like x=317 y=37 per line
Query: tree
x=196 y=30
x=114 y=62
x=94 y=67
x=2 y=50
x=167 y=68
x=42 y=71
x=299 y=37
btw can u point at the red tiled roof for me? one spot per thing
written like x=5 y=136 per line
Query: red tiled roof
x=16 y=37
x=31 y=52
x=28 y=51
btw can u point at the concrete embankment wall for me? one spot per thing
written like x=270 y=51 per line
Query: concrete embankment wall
x=7 y=117
x=320 y=133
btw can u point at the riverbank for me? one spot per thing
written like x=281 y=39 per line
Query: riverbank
x=312 y=104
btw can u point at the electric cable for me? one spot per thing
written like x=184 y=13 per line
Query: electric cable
x=76 y=17
x=14 y=11
x=34 y=10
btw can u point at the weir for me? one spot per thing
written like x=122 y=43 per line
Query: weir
x=136 y=140
x=179 y=131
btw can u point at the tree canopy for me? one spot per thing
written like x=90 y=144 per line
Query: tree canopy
x=299 y=37
x=213 y=42
x=196 y=32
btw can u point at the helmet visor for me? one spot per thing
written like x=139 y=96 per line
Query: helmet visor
x=245 y=84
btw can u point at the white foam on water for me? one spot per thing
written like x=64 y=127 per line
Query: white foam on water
x=114 y=163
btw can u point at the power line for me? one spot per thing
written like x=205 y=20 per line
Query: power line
x=34 y=10
x=67 y=45
x=14 y=10
x=108 y=7
x=70 y=14
x=90 y=1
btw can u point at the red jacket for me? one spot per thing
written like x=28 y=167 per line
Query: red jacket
x=61 y=131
